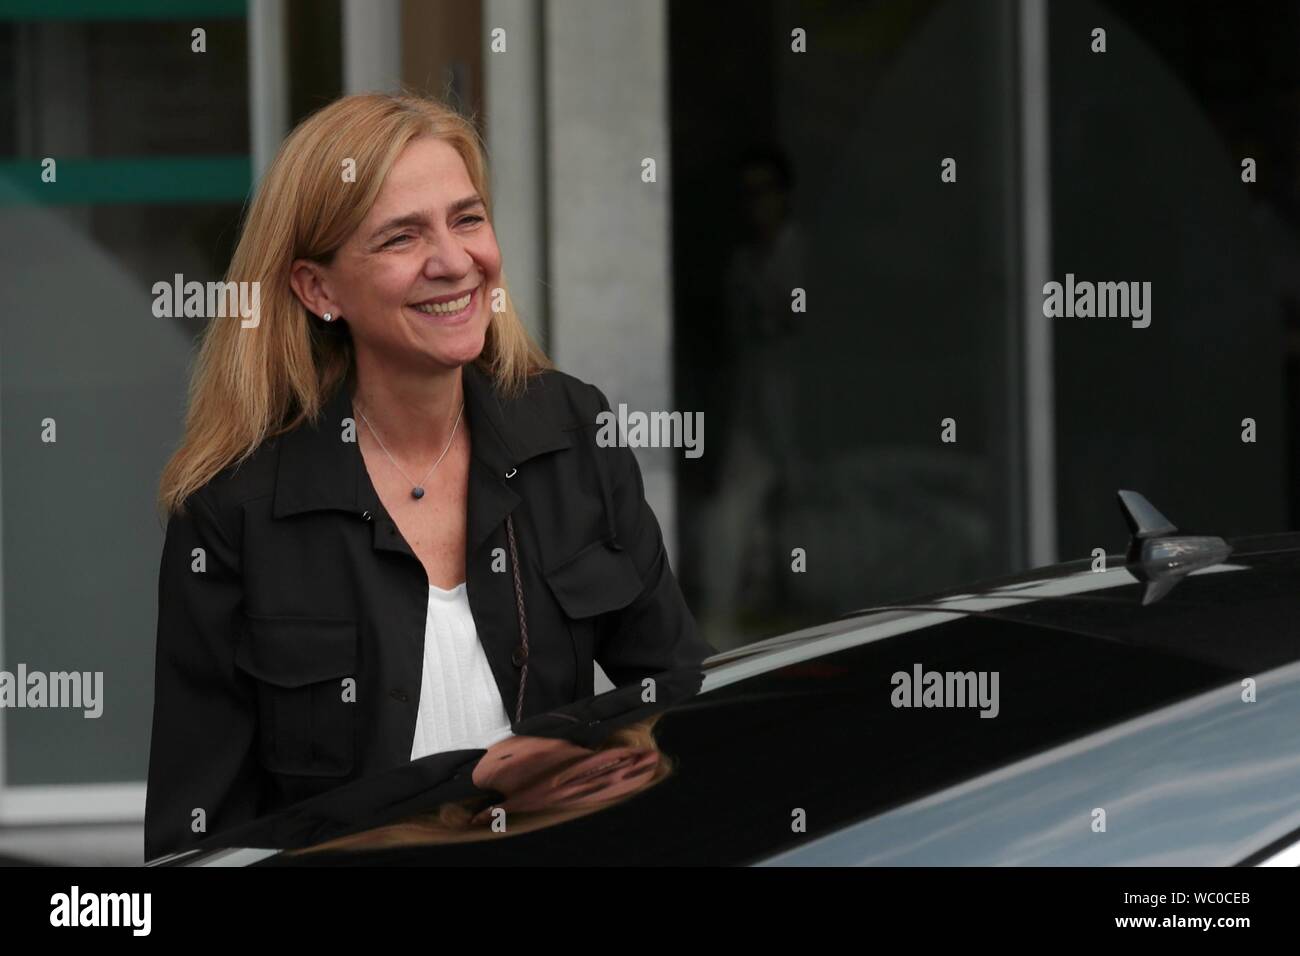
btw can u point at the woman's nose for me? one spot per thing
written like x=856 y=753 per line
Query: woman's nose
x=447 y=258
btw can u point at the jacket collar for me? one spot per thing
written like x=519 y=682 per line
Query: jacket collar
x=318 y=470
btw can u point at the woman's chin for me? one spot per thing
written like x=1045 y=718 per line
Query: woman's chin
x=462 y=351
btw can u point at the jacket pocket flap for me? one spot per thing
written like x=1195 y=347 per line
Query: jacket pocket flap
x=292 y=652
x=595 y=580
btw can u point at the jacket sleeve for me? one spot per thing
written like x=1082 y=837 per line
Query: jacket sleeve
x=203 y=753
x=656 y=632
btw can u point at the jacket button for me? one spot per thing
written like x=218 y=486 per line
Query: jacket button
x=397 y=695
x=519 y=655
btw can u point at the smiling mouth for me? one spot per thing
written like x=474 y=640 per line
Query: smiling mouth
x=454 y=307
x=596 y=771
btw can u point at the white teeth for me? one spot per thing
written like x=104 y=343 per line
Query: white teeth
x=446 y=308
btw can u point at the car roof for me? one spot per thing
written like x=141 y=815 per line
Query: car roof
x=805 y=727
x=1237 y=621
x=1210 y=781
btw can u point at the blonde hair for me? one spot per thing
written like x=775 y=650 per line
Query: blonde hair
x=252 y=384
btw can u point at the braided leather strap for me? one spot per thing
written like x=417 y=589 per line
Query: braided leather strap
x=523 y=619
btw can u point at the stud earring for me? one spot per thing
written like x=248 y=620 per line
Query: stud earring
x=328 y=316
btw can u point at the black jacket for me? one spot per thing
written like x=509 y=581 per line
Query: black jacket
x=307 y=583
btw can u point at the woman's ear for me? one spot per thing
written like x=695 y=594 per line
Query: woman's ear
x=310 y=284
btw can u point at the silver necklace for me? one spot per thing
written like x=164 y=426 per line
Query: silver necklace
x=417 y=489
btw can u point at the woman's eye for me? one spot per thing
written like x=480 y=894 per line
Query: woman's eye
x=395 y=239
x=472 y=219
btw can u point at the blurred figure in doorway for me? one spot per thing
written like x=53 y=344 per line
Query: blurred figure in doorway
x=741 y=558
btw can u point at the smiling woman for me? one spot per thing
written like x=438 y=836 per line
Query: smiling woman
x=409 y=282
x=335 y=600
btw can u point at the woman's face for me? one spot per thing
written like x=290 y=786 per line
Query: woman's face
x=426 y=240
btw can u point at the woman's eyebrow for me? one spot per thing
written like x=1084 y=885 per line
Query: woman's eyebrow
x=460 y=205
x=419 y=218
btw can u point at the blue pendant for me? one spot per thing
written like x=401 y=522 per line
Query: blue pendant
x=417 y=492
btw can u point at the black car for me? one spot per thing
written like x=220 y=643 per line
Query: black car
x=1137 y=710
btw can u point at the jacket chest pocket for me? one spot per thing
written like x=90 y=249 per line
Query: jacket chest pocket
x=305 y=698
x=596 y=580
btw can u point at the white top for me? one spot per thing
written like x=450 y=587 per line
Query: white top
x=460 y=705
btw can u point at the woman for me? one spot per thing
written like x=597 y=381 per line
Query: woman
x=391 y=530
